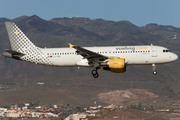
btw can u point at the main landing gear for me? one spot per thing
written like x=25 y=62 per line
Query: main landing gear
x=95 y=73
x=154 y=69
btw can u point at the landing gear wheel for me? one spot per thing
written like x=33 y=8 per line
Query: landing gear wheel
x=154 y=72
x=94 y=72
x=154 y=69
x=96 y=75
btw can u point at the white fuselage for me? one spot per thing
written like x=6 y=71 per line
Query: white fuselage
x=134 y=55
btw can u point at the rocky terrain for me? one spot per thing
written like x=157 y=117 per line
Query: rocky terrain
x=120 y=97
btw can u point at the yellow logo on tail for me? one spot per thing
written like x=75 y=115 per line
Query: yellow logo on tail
x=16 y=32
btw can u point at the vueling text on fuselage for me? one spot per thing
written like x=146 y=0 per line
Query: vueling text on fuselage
x=132 y=48
x=126 y=48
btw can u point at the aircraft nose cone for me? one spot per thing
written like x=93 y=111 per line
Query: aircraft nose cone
x=175 y=57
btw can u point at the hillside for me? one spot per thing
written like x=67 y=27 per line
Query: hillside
x=121 y=32
x=120 y=97
x=126 y=33
x=134 y=114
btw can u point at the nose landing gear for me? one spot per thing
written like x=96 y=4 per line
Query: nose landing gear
x=154 y=69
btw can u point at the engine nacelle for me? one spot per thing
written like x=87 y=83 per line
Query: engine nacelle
x=116 y=65
x=122 y=70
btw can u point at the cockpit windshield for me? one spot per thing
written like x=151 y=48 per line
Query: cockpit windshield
x=166 y=51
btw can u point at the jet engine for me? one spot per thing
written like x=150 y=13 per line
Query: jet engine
x=116 y=65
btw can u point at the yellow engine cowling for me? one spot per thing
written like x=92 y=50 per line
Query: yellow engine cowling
x=117 y=65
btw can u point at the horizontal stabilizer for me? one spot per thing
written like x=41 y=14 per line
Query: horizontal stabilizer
x=14 y=52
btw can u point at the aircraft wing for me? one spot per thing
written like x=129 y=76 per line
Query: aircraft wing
x=90 y=55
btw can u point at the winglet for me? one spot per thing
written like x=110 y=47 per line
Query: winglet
x=70 y=45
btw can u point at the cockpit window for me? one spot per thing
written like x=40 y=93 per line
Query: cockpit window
x=166 y=51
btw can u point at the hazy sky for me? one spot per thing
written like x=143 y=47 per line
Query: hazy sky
x=139 y=12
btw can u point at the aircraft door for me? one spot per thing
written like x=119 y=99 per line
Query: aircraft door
x=153 y=51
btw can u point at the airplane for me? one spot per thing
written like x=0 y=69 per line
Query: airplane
x=112 y=58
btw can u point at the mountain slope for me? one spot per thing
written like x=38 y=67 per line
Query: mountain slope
x=121 y=32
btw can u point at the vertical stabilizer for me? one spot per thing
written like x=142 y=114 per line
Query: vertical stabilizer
x=19 y=41
x=22 y=45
